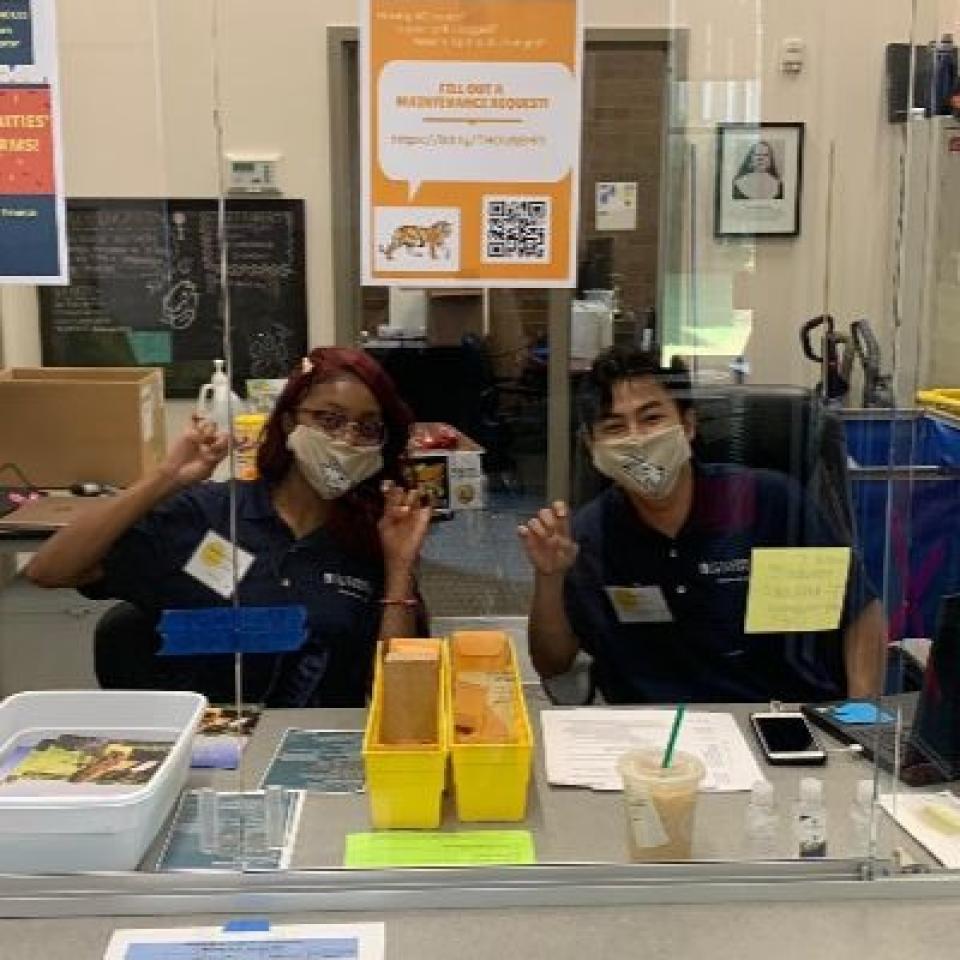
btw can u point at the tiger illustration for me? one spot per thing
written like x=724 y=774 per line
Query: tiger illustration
x=416 y=237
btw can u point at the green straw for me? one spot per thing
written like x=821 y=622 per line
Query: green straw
x=674 y=733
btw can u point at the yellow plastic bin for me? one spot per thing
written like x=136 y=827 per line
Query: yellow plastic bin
x=942 y=400
x=405 y=784
x=491 y=780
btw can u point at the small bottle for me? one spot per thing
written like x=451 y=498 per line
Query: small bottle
x=811 y=819
x=208 y=815
x=213 y=403
x=762 y=821
x=861 y=812
x=275 y=815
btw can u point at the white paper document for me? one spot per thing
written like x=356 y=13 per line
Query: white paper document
x=249 y=941
x=582 y=746
x=932 y=819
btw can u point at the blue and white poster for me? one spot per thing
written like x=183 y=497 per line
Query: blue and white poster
x=32 y=215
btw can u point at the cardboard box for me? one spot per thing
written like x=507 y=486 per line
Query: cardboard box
x=452 y=314
x=453 y=478
x=61 y=425
x=429 y=473
x=465 y=478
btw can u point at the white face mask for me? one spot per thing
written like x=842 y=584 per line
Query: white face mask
x=649 y=465
x=332 y=467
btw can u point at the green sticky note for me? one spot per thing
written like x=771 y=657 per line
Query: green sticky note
x=468 y=848
x=151 y=346
x=796 y=589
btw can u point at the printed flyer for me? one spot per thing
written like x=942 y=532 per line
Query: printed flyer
x=470 y=129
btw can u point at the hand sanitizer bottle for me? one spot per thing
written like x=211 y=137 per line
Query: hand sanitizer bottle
x=812 y=819
x=213 y=403
x=762 y=821
x=860 y=817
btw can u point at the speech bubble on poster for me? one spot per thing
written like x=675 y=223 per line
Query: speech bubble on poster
x=455 y=121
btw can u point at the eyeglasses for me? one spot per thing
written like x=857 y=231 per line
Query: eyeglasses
x=368 y=432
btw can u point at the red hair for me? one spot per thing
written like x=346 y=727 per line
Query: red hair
x=358 y=511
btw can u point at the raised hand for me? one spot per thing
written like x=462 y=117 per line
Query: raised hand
x=196 y=452
x=403 y=526
x=547 y=541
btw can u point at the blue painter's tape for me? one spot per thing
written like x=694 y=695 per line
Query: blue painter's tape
x=244 y=925
x=233 y=630
x=856 y=712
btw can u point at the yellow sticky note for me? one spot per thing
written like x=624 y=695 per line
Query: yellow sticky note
x=796 y=588
x=944 y=818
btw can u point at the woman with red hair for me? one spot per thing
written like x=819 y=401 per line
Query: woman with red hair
x=327 y=526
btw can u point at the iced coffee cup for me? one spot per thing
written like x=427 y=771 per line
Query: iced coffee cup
x=660 y=803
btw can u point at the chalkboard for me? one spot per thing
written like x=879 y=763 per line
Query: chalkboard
x=145 y=289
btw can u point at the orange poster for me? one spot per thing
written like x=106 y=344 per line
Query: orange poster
x=470 y=130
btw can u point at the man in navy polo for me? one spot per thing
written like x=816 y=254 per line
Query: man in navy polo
x=652 y=579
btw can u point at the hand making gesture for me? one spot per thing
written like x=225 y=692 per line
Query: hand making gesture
x=403 y=526
x=547 y=541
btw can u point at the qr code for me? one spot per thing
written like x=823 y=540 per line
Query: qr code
x=516 y=229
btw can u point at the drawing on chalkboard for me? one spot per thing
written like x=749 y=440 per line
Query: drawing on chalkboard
x=148 y=288
x=180 y=304
x=270 y=352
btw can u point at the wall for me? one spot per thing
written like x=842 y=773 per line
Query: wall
x=623 y=104
x=138 y=86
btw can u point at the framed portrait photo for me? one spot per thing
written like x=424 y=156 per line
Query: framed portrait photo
x=758 y=180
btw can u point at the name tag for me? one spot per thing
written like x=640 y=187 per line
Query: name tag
x=639 y=604
x=212 y=564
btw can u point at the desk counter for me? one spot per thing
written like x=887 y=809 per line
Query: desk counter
x=543 y=912
x=571 y=825
x=745 y=931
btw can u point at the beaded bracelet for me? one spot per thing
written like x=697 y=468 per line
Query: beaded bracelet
x=405 y=602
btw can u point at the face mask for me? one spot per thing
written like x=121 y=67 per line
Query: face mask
x=332 y=467
x=648 y=466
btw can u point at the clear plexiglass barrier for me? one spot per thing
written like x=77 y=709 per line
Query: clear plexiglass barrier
x=519 y=438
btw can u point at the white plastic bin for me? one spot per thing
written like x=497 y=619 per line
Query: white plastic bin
x=93 y=829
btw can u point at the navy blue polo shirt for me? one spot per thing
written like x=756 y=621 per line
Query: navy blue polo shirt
x=340 y=590
x=699 y=651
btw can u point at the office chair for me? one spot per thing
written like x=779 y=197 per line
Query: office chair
x=125 y=657
x=500 y=411
x=781 y=428
x=124 y=641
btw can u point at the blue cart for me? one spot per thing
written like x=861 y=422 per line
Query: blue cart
x=904 y=470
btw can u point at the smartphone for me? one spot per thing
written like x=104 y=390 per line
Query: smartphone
x=786 y=737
